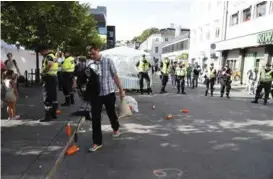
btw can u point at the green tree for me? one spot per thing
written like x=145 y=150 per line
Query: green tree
x=145 y=34
x=57 y=23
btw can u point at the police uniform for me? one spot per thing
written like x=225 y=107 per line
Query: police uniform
x=225 y=81
x=180 y=73
x=210 y=78
x=266 y=77
x=49 y=78
x=165 y=71
x=143 y=67
x=68 y=67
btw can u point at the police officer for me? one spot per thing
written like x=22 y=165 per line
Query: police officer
x=266 y=77
x=143 y=67
x=180 y=73
x=49 y=79
x=165 y=67
x=225 y=78
x=68 y=67
x=210 y=78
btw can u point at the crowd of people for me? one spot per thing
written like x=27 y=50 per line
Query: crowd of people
x=182 y=75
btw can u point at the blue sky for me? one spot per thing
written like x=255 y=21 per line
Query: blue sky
x=131 y=17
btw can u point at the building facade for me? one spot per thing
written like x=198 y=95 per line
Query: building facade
x=154 y=43
x=177 y=49
x=248 y=41
x=208 y=19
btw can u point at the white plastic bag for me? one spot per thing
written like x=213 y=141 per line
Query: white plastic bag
x=124 y=109
x=132 y=103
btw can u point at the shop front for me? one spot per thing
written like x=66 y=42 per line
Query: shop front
x=246 y=53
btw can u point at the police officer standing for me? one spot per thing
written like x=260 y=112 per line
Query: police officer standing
x=165 y=67
x=210 y=78
x=143 y=67
x=180 y=73
x=49 y=79
x=266 y=77
x=225 y=78
x=68 y=66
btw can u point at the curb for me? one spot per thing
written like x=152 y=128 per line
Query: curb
x=62 y=154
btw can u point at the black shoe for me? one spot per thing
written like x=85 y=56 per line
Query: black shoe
x=183 y=92
x=211 y=94
x=47 y=117
x=228 y=96
x=54 y=110
x=178 y=92
x=221 y=95
x=206 y=93
x=67 y=101
x=265 y=102
x=254 y=101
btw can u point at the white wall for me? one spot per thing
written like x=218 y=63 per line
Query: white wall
x=208 y=17
x=255 y=25
x=25 y=59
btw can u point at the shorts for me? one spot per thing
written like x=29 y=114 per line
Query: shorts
x=10 y=96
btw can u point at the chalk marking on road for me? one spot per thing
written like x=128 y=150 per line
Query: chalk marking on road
x=165 y=172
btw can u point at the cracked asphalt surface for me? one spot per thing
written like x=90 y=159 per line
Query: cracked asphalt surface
x=218 y=139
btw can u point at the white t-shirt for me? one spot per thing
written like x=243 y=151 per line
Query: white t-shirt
x=10 y=65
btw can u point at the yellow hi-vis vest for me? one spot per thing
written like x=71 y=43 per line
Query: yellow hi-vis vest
x=266 y=77
x=143 y=67
x=68 y=65
x=53 y=69
x=211 y=73
x=166 y=69
x=180 y=71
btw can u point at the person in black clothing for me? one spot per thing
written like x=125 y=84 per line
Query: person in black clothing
x=225 y=81
x=196 y=73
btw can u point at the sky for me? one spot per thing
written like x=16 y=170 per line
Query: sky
x=131 y=17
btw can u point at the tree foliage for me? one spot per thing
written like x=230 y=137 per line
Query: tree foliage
x=60 y=24
x=145 y=34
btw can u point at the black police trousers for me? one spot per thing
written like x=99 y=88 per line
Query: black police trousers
x=210 y=85
x=180 y=82
x=263 y=85
x=145 y=76
x=164 y=81
x=67 y=81
x=50 y=91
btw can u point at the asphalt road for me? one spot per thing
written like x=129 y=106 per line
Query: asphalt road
x=218 y=139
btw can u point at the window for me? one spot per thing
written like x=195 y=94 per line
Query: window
x=156 y=49
x=247 y=14
x=217 y=32
x=261 y=9
x=234 y=19
x=166 y=39
x=271 y=7
x=201 y=34
x=157 y=39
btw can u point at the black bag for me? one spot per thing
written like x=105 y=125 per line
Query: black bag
x=3 y=91
x=21 y=79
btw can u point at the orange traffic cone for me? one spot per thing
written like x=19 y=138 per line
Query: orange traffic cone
x=72 y=149
x=68 y=130
x=184 y=110
x=169 y=117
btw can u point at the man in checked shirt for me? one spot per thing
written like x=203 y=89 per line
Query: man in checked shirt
x=108 y=77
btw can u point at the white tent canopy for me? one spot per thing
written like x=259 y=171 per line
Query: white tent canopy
x=125 y=59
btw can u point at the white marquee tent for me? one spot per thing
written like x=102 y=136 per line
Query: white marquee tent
x=125 y=59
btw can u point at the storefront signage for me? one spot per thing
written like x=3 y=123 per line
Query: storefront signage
x=183 y=56
x=265 y=37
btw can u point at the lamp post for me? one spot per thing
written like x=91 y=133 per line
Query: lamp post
x=17 y=44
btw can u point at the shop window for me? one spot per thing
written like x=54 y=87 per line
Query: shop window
x=234 y=19
x=156 y=49
x=157 y=39
x=261 y=9
x=217 y=32
x=166 y=39
x=208 y=35
x=247 y=14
